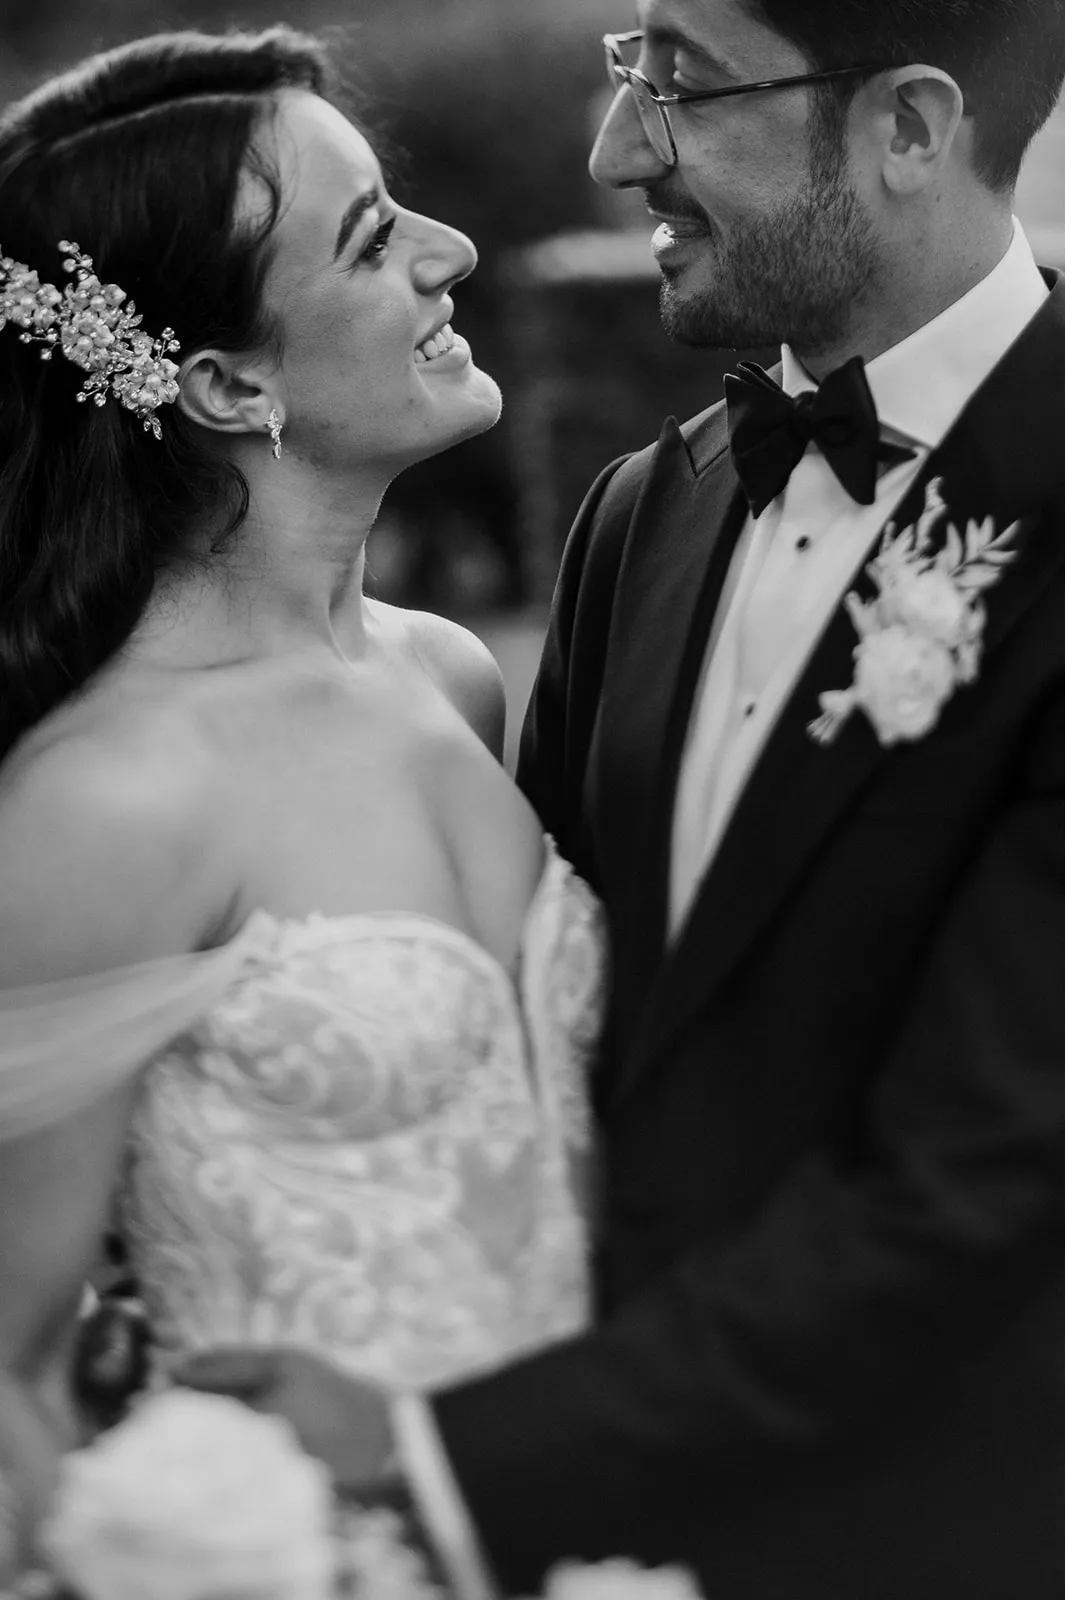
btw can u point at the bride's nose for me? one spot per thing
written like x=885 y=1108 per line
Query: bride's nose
x=444 y=256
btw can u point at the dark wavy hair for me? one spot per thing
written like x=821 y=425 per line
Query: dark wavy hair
x=137 y=154
x=1007 y=56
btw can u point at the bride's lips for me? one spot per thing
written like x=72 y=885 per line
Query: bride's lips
x=452 y=360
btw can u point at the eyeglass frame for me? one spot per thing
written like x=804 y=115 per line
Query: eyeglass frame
x=622 y=76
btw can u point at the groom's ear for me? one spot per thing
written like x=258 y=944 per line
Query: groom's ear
x=920 y=114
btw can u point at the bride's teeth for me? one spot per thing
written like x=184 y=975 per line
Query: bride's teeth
x=438 y=345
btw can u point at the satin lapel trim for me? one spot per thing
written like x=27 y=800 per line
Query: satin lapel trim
x=669 y=580
x=799 y=792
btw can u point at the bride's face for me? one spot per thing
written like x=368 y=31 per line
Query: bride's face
x=359 y=286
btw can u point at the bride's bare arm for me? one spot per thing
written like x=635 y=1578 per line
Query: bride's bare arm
x=28 y=1466
x=98 y=872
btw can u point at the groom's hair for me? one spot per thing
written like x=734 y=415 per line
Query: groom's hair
x=1007 y=56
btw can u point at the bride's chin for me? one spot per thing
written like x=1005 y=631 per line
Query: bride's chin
x=481 y=405
x=493 y=400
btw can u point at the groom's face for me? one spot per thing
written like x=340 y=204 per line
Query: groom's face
x=762 y=237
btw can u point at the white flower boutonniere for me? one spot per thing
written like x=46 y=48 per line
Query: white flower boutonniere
x=921 y=637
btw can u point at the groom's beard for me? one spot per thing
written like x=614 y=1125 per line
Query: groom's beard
x=791 y=277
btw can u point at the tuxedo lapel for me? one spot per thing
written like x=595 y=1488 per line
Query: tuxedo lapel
x=683 y=532
x=1003 y=458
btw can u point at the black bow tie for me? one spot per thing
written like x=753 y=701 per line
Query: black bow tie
x=769 y=432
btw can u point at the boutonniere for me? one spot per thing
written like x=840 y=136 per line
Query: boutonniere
x=921 y=637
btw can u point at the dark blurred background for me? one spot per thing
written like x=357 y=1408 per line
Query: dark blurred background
x=486 y=110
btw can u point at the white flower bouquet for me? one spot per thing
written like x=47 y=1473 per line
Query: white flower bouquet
x=196 y=1497
x=193 y=1496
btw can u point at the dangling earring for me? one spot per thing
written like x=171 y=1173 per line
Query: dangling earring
x=275 y=425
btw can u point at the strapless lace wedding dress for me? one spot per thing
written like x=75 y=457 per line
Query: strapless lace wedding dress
x=376 y=1144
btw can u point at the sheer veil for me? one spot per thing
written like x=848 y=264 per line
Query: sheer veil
x=65 y=1045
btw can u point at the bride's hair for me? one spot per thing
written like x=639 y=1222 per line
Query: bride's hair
x=137 y=155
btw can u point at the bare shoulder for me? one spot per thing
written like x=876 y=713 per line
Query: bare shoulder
x=101 y=859
x=465 y=669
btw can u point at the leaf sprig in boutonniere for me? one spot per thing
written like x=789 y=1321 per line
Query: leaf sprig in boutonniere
x=921 y=637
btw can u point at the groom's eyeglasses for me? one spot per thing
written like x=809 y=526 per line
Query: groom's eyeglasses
x=654 y=107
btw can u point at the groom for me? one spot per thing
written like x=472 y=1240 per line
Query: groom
x=831 y=1356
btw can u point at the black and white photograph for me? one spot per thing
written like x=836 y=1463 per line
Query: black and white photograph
x=532 y=800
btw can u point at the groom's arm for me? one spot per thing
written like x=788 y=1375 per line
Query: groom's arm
x=850 y=1291
x=557 y=721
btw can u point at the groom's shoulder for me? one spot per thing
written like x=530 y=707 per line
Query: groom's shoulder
x=704 y=435
x=599 y=535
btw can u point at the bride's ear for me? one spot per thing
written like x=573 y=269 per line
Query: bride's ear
x=229 y=395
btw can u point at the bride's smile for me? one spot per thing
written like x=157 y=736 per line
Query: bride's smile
x=360 y=289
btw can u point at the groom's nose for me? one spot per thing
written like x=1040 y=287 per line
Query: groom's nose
x=621 y=157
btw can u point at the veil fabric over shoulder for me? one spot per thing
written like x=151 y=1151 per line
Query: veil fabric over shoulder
x=65 y=1045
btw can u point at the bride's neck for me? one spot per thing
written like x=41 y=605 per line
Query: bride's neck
x=288 y=583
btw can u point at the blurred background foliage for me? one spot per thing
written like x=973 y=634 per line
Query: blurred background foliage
x=484 y=111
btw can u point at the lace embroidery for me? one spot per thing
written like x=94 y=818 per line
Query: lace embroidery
x=375 y=1145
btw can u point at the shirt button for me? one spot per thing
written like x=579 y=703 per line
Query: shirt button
x=802 y=542
x=748 y=709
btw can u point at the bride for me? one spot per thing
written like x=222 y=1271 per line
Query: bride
x=289 y=973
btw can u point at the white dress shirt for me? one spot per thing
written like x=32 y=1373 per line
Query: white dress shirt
x=794 y=563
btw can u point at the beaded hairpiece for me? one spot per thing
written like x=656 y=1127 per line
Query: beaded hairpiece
x=88 y=324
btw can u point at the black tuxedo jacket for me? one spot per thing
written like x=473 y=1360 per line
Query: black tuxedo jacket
x=831 y=1362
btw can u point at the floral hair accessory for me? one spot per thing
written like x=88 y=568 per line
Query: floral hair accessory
x=91 y=324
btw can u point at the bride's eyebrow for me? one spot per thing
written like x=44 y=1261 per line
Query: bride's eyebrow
x=353 y=215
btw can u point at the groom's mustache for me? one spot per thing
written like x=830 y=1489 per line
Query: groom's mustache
x=679 y=207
